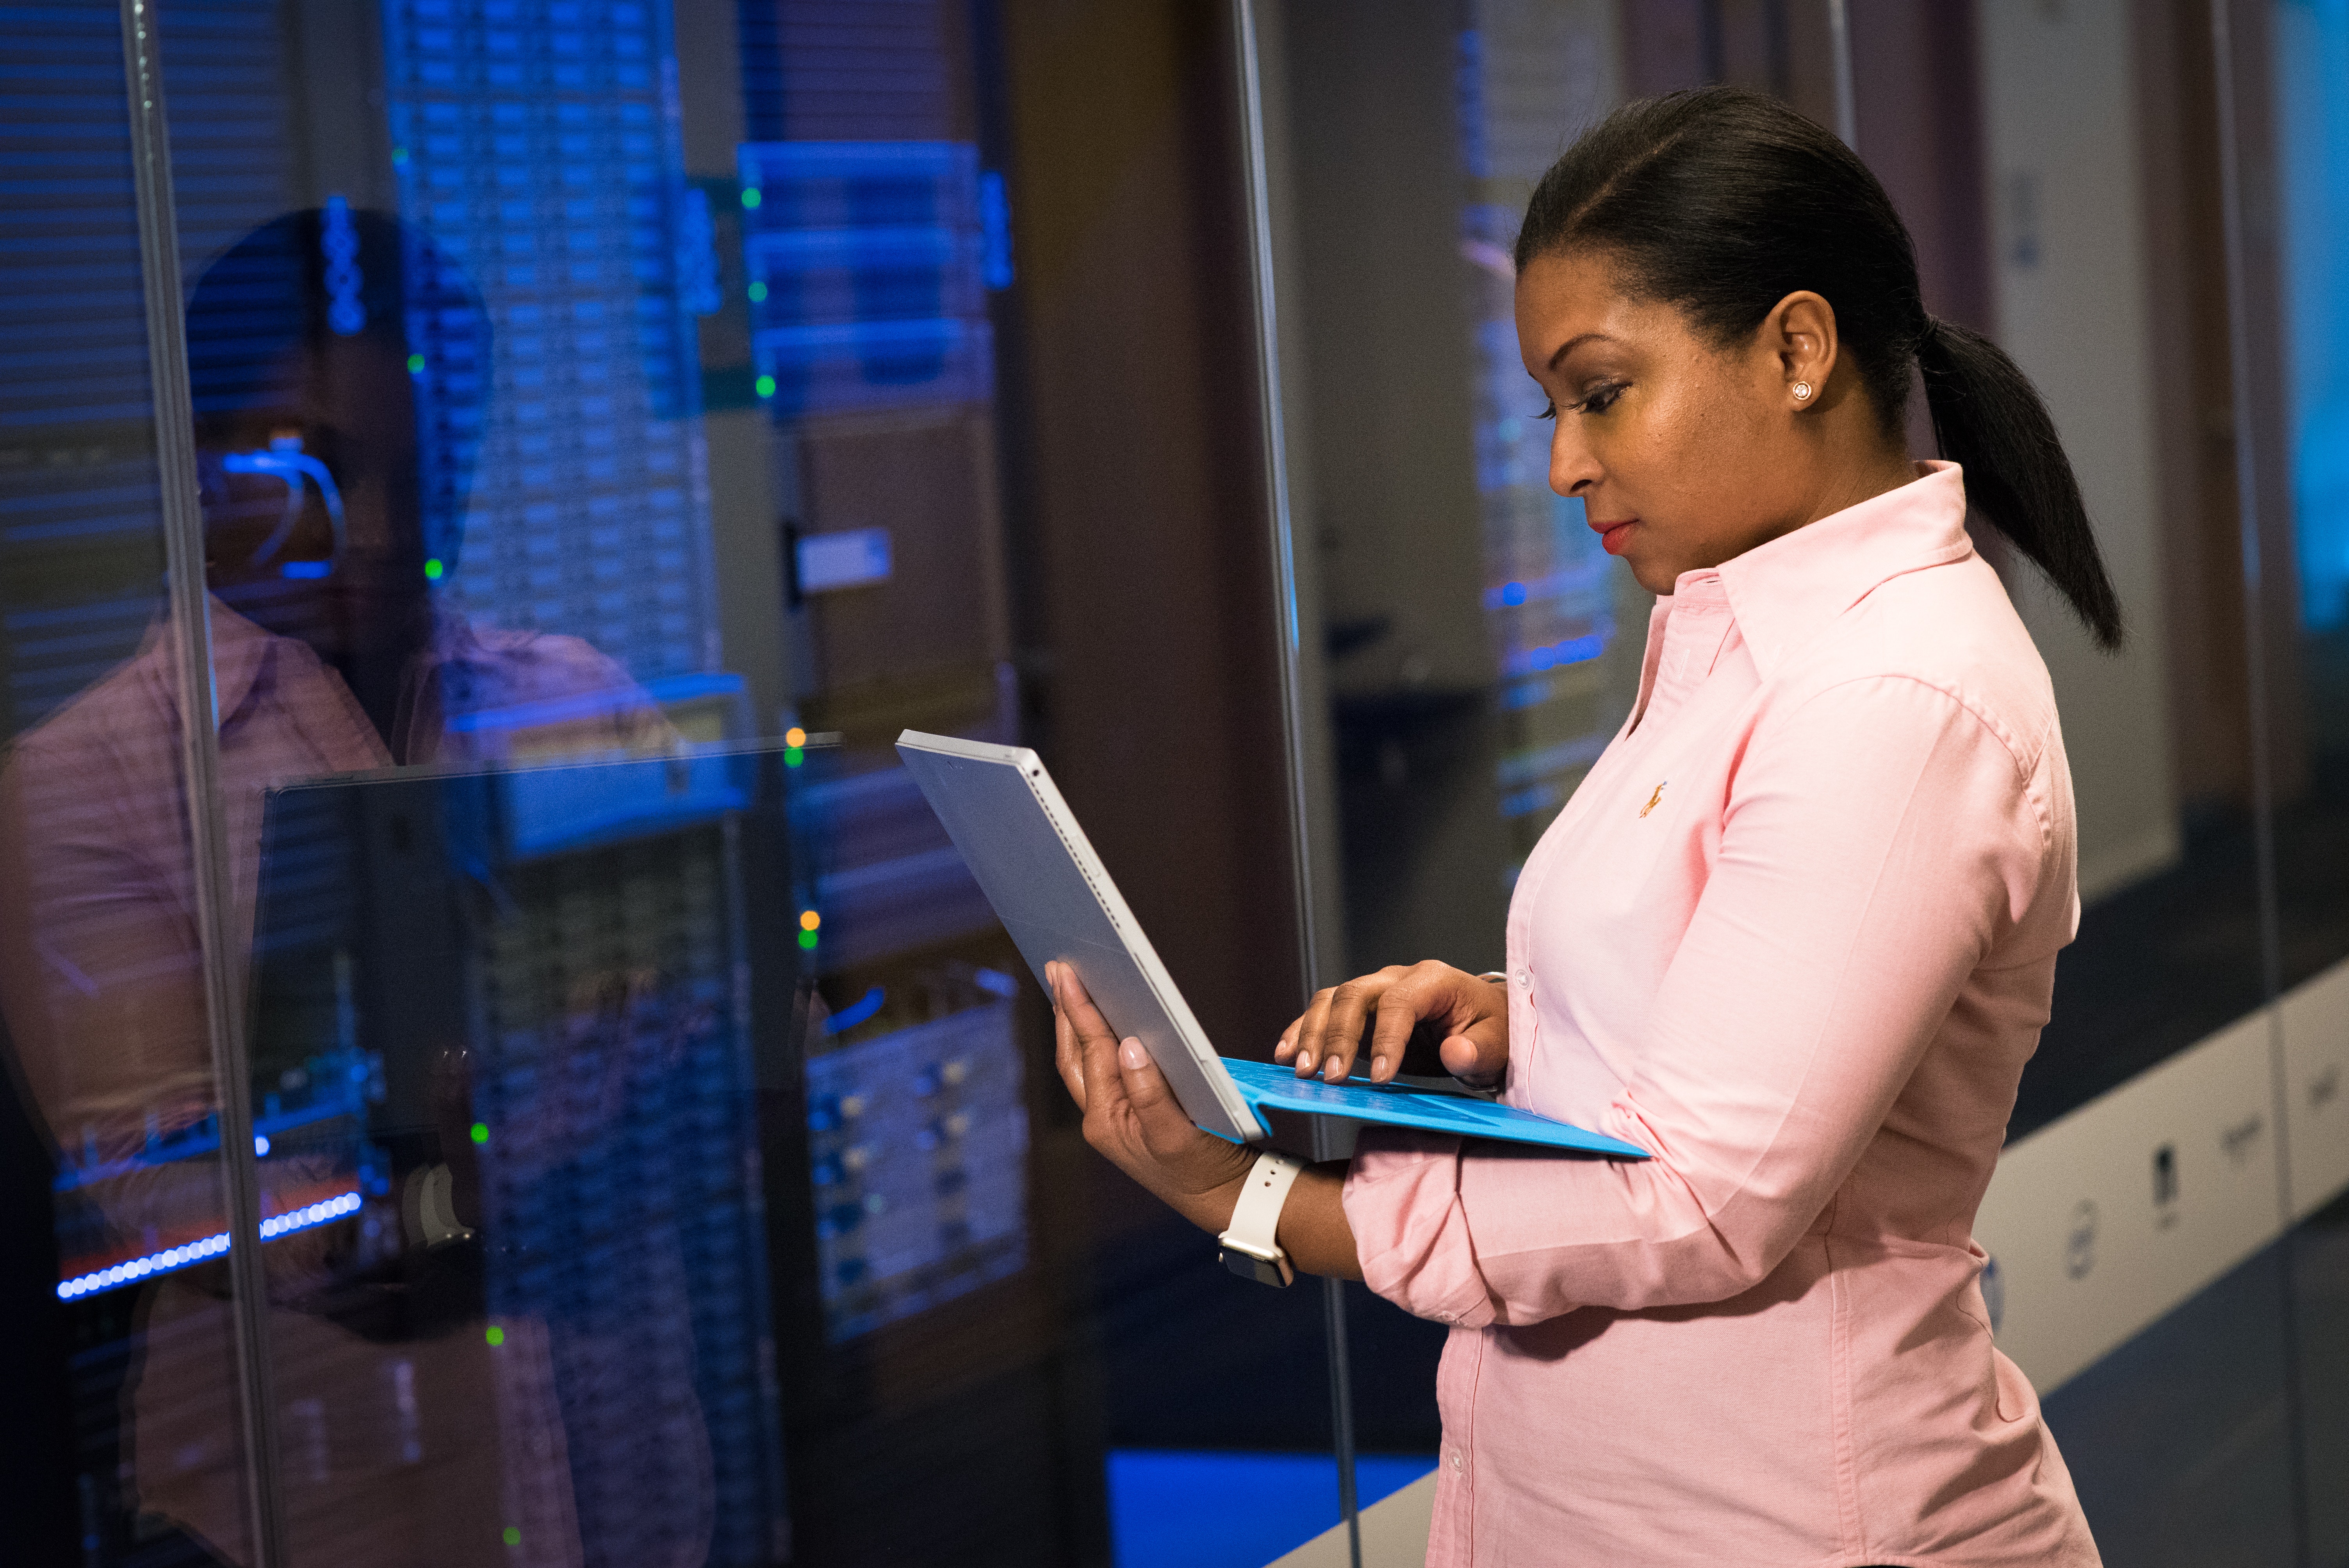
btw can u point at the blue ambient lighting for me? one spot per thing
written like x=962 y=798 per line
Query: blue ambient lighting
x=1268 y=1502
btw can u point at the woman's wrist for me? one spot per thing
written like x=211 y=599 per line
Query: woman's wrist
x=1205 y=1197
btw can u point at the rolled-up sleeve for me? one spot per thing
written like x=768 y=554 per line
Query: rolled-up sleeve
x=1877 y=844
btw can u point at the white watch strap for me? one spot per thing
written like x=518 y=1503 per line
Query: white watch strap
x=1250 y=1242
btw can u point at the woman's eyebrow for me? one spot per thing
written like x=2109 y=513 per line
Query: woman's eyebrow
x=1570 y=344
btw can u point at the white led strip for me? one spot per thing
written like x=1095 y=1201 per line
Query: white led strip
x=187 y=1255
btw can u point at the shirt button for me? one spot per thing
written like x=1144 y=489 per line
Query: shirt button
x=1525 y=979
x=1458 y=1462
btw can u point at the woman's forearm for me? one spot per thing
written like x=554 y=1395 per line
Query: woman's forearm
x=1313 y=1229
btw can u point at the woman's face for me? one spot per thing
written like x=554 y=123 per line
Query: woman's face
x=1684 y=453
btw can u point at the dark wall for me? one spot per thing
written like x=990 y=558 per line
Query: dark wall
x=36 y=1433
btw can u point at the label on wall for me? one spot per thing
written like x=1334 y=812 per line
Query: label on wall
x=2102 y=1222
x=2316 y=1080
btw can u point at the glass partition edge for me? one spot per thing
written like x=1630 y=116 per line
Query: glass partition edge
x=182 y=517
x=2262 y=778
x=1295 y=741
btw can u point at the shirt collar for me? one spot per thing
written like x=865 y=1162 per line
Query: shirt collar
x=1785 y=593
x=239 y=648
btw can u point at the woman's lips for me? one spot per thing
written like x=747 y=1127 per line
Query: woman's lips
x=1615 y=536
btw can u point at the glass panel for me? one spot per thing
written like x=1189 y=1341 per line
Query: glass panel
x=2160 y=737
x=2307 y=52
x=619 y=420
x=1470 y=618
x=2080 y=109
x=126 y=1438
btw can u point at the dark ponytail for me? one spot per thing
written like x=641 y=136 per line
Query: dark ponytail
x=1721 y=203
x=1989 y=420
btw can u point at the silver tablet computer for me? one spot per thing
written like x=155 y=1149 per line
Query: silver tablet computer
x=1051 y=891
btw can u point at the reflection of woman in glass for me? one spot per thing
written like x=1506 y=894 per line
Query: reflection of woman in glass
x=329 y=520
x=1796 y=933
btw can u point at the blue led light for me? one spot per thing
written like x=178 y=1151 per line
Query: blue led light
x=187 y=1255
x=995 y=231
x=856 y=1012
x=284 y=461
x=697 y=255
x=345 y=312
x=260 y=1144
x=1513 y=594
x=1550 y=656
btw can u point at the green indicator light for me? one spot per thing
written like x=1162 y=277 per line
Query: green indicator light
x=766 y=385
x=496 y=1335
x=399 y=155
x=758 y=293
x=513 y=1536
x=416 y=364
x=481 y=1132
x=433 y=571
x=807 y=940
x=793 y=756
x=751 y=198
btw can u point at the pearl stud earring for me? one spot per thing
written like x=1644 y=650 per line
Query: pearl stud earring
x=1802 y=391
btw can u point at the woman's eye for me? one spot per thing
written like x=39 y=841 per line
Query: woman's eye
x=1600 y=400
x=1550 y=411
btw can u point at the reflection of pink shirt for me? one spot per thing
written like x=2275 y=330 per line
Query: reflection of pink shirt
x=417 y=1452
x=1796 y=934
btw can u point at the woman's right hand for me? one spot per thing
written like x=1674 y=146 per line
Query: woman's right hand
x=1473 y=1015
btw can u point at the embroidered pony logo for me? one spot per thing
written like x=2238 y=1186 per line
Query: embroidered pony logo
x=1653 y=799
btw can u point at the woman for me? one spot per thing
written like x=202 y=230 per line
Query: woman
x=1796 y=933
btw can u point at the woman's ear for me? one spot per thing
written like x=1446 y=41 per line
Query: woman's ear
x=1800 y=333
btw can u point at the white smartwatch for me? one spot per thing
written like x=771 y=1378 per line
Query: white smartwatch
x=1250 y=1248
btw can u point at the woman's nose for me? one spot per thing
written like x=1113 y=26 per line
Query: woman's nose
x=1572 y=470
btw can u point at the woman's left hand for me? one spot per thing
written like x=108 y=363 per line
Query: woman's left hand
x=1132 y=1115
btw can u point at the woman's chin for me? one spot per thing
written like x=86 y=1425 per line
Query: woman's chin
x=1655 y=579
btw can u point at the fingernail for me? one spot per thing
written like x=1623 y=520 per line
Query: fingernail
x=1305 y=1062
x=1378 y=1065
x=1132 y=1055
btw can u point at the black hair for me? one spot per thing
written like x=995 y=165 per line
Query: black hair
x=1721 y=202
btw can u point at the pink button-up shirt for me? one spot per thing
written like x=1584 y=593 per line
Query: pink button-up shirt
x=1796 y=934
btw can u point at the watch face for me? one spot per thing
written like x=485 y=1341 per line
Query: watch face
x=1264 y=1270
